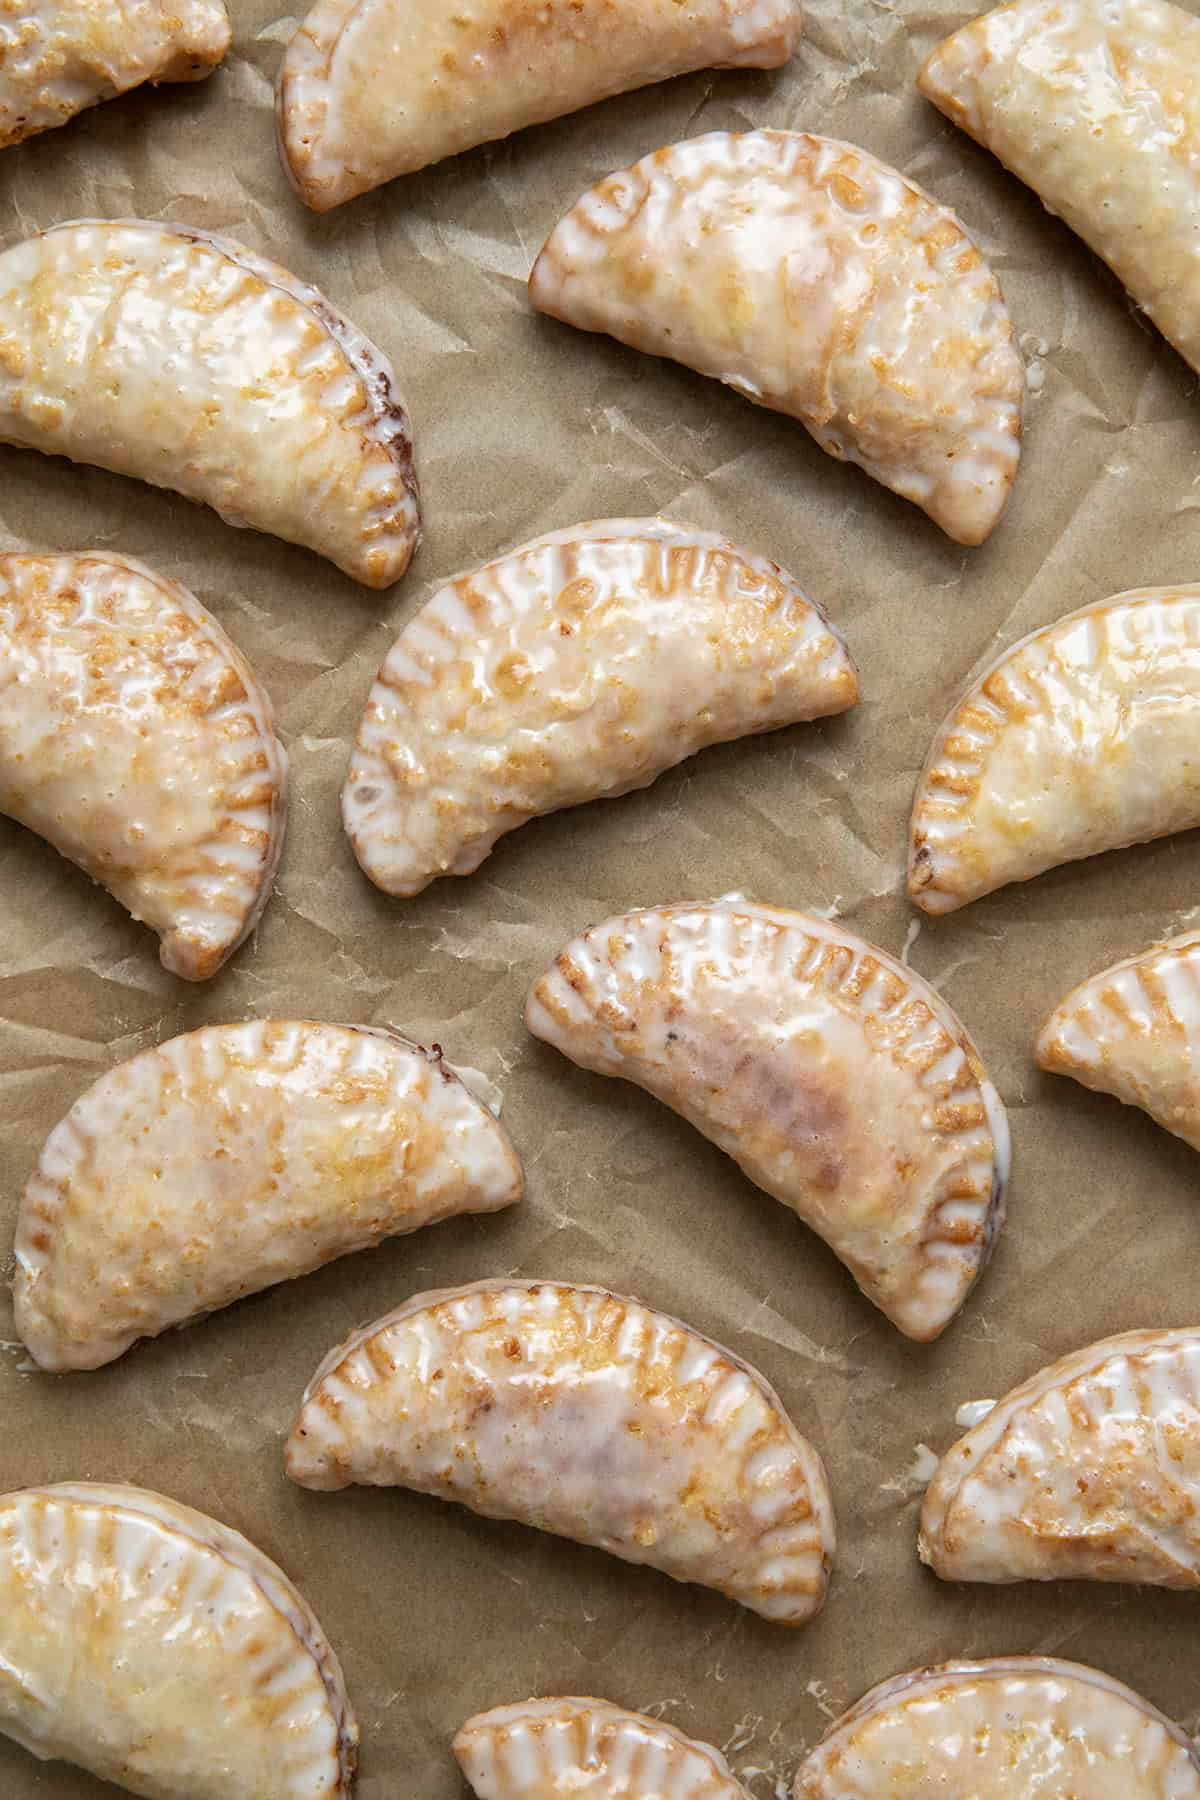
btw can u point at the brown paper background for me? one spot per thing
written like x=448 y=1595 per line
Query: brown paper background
x=522 y=425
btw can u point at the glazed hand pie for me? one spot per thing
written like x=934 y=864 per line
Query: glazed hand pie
x=1005 y=1728
x=370 y=89
x=1079 y=739
x=233 y=1158
x=136 y=739
x=545 y=1749
x=590 y=1416
x=815 y=280
x=186 y=360
x=835 y=1077
x=1097 y=107
x=62 y=56
x=1134 y=1031
x=578 y=667
x=160 y=1650
x=1089 y=1470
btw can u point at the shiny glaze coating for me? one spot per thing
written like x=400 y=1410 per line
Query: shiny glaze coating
x=232 y=1158
x=58 y=57
x=1134 y=1031
x=589 y=1750
x=834 y=1076
x=587 y=1415
x=160 y=1650
x=815 y=280
x=1091 y=1469
x=371 y=89
x=1006 y=1728
x=184 y=359
x=136 y=739
x=1096 y=105
x=575 y=668
x=1080 y=738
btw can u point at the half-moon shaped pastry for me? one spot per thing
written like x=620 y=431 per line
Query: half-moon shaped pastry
x=587 y=1415
x=62 y=56
x=1097 y=108
x=1080 y=738
x=233 y=1158
x=186 y=360
x=1005 y=1728
x=160 y=1650
x=819 y=282
x=575 y=668
x=136 y=739
x=371 y=89
x=834 y=1076
x=1134 y=1031
x=589 y=1749
x=1089 y=1470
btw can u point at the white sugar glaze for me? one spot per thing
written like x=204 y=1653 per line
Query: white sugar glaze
x=577 y=667
x=815 y=280
x=160 y=1650
x=1007 y=1728
x=1079 y=738
x=590 y=1750
x=835 y=1076
x=371 y=89
x=1096 y=104
x=58 y=57
x=136 y=739
x=588 y=1415
x=186 y=360
x=1089 y=1469
x=232 y=1158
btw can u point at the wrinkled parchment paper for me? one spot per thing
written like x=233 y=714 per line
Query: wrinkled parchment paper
x=522 y=425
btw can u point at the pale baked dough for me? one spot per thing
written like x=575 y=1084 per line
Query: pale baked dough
x=834 y=1076
x=232 y=1158
x=160 y=1650
x=187 y=360
x=58 y=57
x=585 y=1414
x=588 y=1750
x=1096 y=104
x=817 y=281
x=575 y=668
x=1005 y=1728
x=1090 y=1469
x=371 y=89
x=1080 y=738
x=1134 y=1031
x=136 y=739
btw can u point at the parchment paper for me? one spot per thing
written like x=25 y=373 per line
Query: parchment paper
x=522 y=425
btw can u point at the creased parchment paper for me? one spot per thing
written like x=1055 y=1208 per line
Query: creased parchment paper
x=522 y=425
